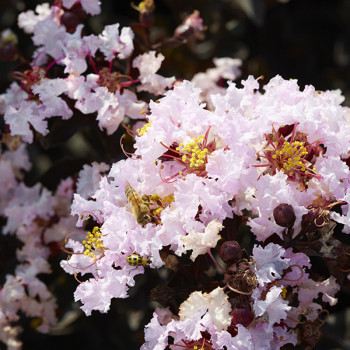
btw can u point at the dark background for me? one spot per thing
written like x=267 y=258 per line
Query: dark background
x=304 y=40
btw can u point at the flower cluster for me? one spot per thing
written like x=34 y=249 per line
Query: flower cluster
x=40 y=221
x=273 y=154
x=80 y=87
x=213 y=166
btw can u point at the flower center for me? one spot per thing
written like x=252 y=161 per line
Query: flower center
x=158 y=203
x=295 y=156
x=30 y=78
x=143 y=130
x=194 y=154
x=290 y=158
x=93 y=243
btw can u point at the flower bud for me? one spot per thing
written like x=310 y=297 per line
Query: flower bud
x=8 y=46
x=73 y=17
x=284 y=215
x=70 y=20
x=145 y=9
x=230 y=252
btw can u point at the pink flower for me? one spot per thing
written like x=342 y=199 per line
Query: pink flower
x=93 y=7
x=96 y=294
x=13 y=96
x=26 y=205
x=89 y=178
x=19 y=119
x=49 y=91
x=208 y=81
x=148 y=64
x=269 y=263
x=110 y=107
x=114 y=44
x=273 y=307
x=28 y=20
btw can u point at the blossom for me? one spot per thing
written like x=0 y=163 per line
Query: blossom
x=14 y=95
x=52 y=105
x=110 y=107
x=274 y=306
x=311 y=290
x=269 y=263
x=19 y=119
x=186 y=332
x=216 y=302
x=208 y=81
x=269 y=193
x=148 y=64
x=75 y=51
x=113 y=284
x=199 y=242
x=89 y=178
x=27 y=204
x=28 y=20
x=114 y=44
x=90 y=6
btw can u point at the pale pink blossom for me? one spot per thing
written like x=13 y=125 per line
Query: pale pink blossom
x=311 y=289
x=28 y=20
x=269 y=263
x=273 y=307
x=215 y=303
x=115 y=44
x=49 y=91
x=112 y=284
x=89 y=178
x=93 y=7
x=270 y=192
x=110 y=107
x=148 y=64
x=199 y=242
x=20 y=118
x=13 y=96
x=27 y=204
x=225 y=68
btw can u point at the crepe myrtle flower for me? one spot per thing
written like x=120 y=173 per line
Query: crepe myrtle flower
x=191 y=156
x=106 y=91
x=90 y=6
x=148 y=64
x=201 y=317
x=91 y=245
x=288 y=150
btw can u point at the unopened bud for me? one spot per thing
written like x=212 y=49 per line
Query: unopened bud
x=145 y=9
x=8 y=46
x=284 y=215
x=230 y=252
x=70 y=20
